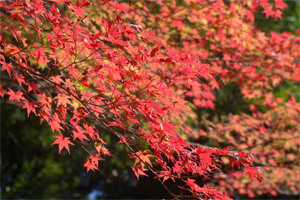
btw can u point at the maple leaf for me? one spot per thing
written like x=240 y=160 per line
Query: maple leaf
x=90 y=165
x=55 y=124
x=101 y=149
x=148 y=36
x=90 y=131
x=39 y=54
x=62 y=99
x=268 y=11
x=166 y=175
x=277 y=14
x=61 y=1
x=138 y=170
x=264 y=2
x=15 y=96
x=95 y=158
x=33 y=86
x=253 y=173
x=295 y=75
x=7 y=66
x=143 y=157
x=119 y=6
x=250 y=16
x=2 y=91
x=57 y=79
x=131 y=50
x=193 y=186
x=44 y=100
x=63 y=142
x=116 y=40
x=20 y=79
x=280 y=4
x=78 y=133
x=83 y=3
x=154 y=50
x=78 y=10
x=126 y=140
x=85 y=82
x=116 y=124
x=98 y=146
x=30 y=107
x=105 y=1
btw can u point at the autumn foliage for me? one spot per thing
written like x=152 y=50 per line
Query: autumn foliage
x=143 y=71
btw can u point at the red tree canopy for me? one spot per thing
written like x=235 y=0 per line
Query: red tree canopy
x=139 y=70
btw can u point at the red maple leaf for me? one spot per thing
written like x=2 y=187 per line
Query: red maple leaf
x=90 y=130
x=154 y=50
x=148 y=36
x=268 y=11
x=193 y=186
x=277 y=14
x=15 y=96
x=55 y=124
x=95 y=159
x=119 y=6
x=166 y=175
x=144 y=157
x=8 y=67
x=116 y=124
x=61 y=1
x=101 y=149
x=79 y=134
x=63 y=142
x=126 y=140
x=62 y=100
x=2 y=91
x=138 y=170
x=78 y=10
x=84 y=82
x=30 y=107
x=20 y=79
x=83 y=3
x=131 y=50
x=33 y=86
x=90 y=165
x=280 y=4
x=253 y=173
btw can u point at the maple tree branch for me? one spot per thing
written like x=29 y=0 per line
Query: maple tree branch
x=103 y=123
x=129 y=147
x=5 y=78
